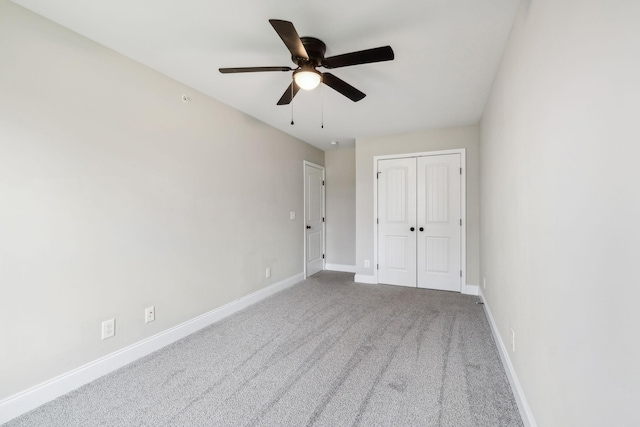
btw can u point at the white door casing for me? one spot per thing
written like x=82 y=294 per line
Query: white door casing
x=313 y=218
x=423 y=192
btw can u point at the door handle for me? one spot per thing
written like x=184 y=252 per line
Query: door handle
x=308 y=227
x=421 y=228
x=412 y=229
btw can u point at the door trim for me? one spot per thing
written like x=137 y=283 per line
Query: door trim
x=306 y=164
x=463 y=206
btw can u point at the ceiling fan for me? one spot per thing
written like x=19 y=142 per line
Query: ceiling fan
x=308 y=54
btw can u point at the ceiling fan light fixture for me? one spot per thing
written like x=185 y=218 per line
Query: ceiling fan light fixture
x=307 y=78
x=308 y=53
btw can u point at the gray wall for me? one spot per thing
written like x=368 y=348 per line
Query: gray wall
x=429 y=140
x=341 y=206
x=560 y=209
x=115 y=195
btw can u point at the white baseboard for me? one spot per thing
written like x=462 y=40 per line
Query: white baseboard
x=470 y=289
x=27 y=400
x=340 y=267
x=521 y=400
x=362 y=278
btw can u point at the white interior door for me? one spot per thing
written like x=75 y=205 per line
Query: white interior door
x=314 y=218
x=439 y=222
x=419 y=222
x=396 y=218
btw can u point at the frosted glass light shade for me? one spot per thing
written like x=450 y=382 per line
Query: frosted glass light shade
x=307 y=79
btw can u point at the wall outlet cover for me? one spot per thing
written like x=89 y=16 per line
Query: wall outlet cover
x=108 y=328
x=149 y=314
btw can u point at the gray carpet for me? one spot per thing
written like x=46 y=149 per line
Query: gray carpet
x=327 y=352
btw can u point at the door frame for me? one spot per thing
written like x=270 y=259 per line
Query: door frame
x=307 y=164
x=463 y=206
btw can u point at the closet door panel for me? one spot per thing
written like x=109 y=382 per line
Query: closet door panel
x=438 y=222
x=396 y=217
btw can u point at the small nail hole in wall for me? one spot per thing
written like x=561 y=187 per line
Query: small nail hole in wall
x=185 y=99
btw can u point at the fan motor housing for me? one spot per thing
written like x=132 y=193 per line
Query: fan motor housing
x=315 y=49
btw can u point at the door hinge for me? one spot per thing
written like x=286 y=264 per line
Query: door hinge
x=323 y=182
x=323 y=258
x=460 y=171
x=377 y=266
x=378 y=175
x=460 y=222
x=460 y=271
x=377 y=220
x=323 y=219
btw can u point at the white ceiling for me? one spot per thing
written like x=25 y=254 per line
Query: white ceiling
x=446 y=56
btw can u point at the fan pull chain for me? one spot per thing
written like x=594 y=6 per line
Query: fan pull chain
x=321 y=107
x=291 y=103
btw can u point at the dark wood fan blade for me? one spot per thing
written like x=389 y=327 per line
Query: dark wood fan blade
x=343 y=87
x=252 y=69
x=377 y=54
x=288 y=94
x=290 y=37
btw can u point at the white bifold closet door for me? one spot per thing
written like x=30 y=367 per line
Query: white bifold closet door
x=419 y=222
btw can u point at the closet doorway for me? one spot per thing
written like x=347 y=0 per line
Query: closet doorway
x=420 y=220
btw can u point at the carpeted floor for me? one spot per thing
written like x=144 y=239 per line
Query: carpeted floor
x=326 y=352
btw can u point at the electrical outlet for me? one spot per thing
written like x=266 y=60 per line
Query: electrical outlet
x=267 y=272
x=149 y=314
x=366 y=263
x=484 y=282
x=292 y=215
x=108 y=328
x=513 y=340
